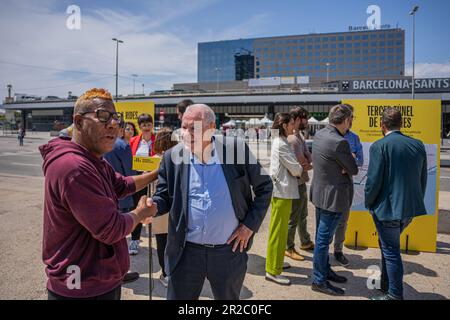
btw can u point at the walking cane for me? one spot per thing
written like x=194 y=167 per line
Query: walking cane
x=150 y=255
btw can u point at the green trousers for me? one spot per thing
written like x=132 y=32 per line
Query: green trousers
x=278 y=232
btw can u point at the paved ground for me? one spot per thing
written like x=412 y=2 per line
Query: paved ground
x=23 y=276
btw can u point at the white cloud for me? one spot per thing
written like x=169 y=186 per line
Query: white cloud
x=34 y=34
x=429 y=70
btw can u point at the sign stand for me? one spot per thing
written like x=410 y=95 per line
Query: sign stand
x=150 y=256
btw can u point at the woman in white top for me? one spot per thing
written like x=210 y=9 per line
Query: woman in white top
x=284 y=170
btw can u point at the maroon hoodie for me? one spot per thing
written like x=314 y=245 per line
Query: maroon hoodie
x=82 y=223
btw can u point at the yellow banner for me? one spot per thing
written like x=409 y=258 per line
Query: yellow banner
x=422 y=121
x=131 y=110
x=146 y=163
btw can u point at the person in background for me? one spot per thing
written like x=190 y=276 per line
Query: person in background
x=21 y=135
x=394 y=194
x=181 y=109
x=163 y=142
x=284 y=170
x=67 y=132
x=141 y=146
x=299 y=213
x=357 y=151
x=129 y=132
x=121 y=159
x=331 y=192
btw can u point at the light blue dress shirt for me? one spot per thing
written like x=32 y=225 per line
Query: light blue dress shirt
x=355 y=147
x=211 y=218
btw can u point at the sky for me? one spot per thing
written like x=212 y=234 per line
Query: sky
x=40 y=55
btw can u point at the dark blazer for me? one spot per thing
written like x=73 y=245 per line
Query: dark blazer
x=330 y=189
x=243 y=174
x=397 y=178
x=121 y=159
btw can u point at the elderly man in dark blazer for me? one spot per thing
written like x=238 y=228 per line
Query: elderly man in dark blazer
x=394 y=193
x=331 y=192
x=206 y=184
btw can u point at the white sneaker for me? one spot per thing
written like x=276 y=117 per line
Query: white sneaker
x=164 y=280
x=286 y=265
x=133 y=248
x=278 y=279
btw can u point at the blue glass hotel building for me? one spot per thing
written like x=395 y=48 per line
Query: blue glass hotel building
x=333 y=56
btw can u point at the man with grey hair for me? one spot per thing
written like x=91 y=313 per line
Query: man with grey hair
x=213 y=215
x=331 y=192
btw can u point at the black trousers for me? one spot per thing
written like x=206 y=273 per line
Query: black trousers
x=224 y=269
x=161 y=242
x=136 y=234
x=112 y=295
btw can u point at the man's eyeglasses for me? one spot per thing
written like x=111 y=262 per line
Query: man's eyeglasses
x=105 y=116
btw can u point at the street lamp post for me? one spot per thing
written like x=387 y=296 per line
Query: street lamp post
x=413 y=14
x=143 y=90
x=217 y=79
x=117 y=65
x=328 y=71
x=134 y=83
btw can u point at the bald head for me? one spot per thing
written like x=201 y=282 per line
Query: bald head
x=200 y=112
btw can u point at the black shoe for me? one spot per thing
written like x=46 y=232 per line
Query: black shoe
x=341 y=259
x=386 y=297
x=384 y=288
x=130 y=277
x=327 y=288
x=333 y=276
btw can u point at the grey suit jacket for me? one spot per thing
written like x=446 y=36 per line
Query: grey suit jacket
x=243 y=175
x=330 y=189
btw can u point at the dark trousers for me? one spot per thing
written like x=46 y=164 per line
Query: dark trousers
x=112 y=295
x=161 y=242
x=136 y=234
x=391 y=261
x=326 y=224
x=224 y=269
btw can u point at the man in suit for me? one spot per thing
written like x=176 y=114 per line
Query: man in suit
x=206 y=184
x=394 y=193
x=331 y=192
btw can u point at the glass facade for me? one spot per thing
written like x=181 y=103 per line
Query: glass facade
x=216 y=60
x=362 y=54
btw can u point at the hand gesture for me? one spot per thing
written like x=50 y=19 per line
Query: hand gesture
x=241 y=236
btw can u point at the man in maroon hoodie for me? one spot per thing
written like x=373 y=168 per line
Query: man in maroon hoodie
x=84 y=245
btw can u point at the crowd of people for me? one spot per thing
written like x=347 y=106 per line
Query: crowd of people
x=216 y=196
